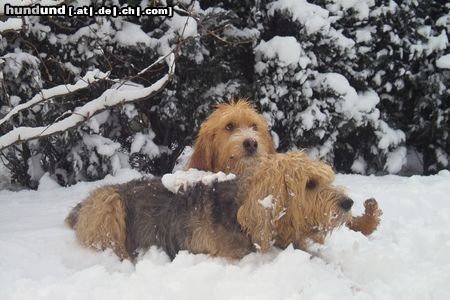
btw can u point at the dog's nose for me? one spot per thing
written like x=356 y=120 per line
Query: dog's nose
x=346 y=203
x=250 y=146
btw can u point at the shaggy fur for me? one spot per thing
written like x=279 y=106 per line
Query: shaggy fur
x=231 y=139
x=305 y=204
x=142 y=213
x=286 y=198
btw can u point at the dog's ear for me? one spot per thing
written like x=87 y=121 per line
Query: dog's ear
x=308 y=168
x=203 y=155
x=267 y=140
x=320 y=171
x=256 y=220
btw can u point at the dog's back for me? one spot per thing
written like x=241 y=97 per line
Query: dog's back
x=201 y=219
x=156 y=216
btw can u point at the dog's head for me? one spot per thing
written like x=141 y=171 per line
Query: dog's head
x=290 y=198
x=231 y=139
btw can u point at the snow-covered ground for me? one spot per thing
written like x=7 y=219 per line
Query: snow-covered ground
x=407 y=258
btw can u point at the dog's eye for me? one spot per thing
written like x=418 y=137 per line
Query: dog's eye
x=229 y=127
x=311 y=184
x=254 y=127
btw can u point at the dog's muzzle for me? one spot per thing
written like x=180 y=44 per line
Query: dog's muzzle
x=346 y=203
x=250 y=146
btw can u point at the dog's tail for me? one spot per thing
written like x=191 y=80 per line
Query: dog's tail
x=72 y=218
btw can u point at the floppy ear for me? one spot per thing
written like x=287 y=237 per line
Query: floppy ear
x=314 y=168
x=203 y=156
x=270 y=143
x=256 y=221
x=320 y=170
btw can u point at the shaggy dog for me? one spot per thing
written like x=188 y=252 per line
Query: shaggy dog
x=289 y=198
x=231 y=139
x=142 y=213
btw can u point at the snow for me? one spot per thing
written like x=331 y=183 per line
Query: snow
x=359 y=165
x=434 y=44
x=182 y=179
x=439 y=42
x=132 y=34
x=102 y=145
x=315 y=19
x=361 y=7
x=363 y=35
x=183 y=159
x=183 y=26
x=443 y=62
x=353 y=105
x=46 y=183
x=144 y=143
x=15 y=62
x=396 y=159
x=267 y=202
x=389 y=136
x=35 y=170
x=406 y=258
x=11 y=24
x=96 y=121
x=285 y=48
x=245 y=33
x=312 y=16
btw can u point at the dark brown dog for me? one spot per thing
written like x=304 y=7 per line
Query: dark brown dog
x=143 y=213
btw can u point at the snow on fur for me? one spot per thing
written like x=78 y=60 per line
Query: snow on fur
x=183 y=179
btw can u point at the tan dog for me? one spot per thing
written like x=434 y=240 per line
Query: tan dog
x=142 y=213
x=289 y=198
x=231 y=139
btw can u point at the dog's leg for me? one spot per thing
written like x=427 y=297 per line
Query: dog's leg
x=257 y=222
x=233 y=245
x=369 y=221
x=217 y=240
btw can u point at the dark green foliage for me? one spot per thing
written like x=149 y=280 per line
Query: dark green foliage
x=364 y=90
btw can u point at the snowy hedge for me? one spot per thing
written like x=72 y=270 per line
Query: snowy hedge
x=363 y=84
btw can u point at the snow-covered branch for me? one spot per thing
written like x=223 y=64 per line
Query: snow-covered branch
x=108 y=99
x=57 y=91
x=11 y=24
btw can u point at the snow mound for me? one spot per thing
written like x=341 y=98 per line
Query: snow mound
x=11 y=24
x=46 y=183
x=443 y=62
x=183 y=179
x=285 y=48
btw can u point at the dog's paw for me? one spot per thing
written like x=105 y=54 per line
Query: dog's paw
x=368 y=222
x=371 y=208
